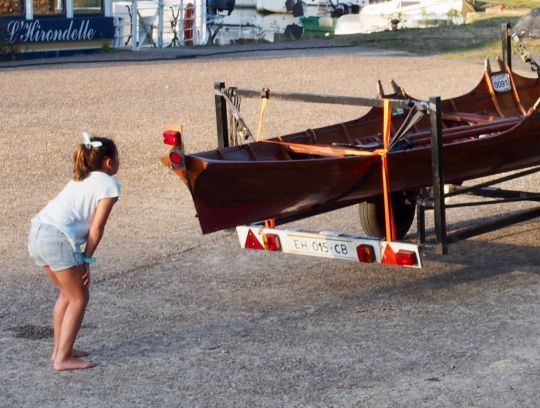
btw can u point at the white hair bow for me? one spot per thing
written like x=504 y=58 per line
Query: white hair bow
x=88 y=143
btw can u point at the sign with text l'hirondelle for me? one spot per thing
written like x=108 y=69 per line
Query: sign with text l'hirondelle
x=21 y=31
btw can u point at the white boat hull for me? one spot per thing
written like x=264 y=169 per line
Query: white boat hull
x=278 y=6
x=411 y=14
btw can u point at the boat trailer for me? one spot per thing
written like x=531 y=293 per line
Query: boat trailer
x=231 y=131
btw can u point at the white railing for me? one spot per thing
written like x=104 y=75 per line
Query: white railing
x=159 y=23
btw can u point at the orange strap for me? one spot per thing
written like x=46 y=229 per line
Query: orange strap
x=334 y=151
x=388 y=211
x=264 y=100
x=270 y=223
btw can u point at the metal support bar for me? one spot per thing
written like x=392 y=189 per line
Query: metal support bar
x=437 y=166
x=488 y=202
x=501 y=222
x=503 y=194
x=463 y=190
x=506 y=44
x=426 y=202
x=334 y=99
x=420 y=222
x=221 y=116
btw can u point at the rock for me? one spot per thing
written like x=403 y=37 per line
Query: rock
x=529 y=24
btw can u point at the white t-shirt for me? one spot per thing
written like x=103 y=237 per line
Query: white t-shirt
x=73 y=210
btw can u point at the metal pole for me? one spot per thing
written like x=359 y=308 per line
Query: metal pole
x=29 y=9
x=134 y=26
x=160 y=23
x=107 y=8
x=437 y=165
x=221 y=116
x=420 y=222
x=69 y=9
x=203 y=27
x=334 y=99
x=506 y=44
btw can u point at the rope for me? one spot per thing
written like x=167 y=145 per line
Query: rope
x=411 y=120
x=525 y=55
x=236 y=114
x=234 y=128
x=264 y=100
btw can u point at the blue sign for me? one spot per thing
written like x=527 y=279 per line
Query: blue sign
x=55 y=29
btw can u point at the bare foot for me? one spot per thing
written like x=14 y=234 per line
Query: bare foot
x=72 y=363
x=75 y=353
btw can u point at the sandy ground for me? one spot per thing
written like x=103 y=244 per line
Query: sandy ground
x=181 y=319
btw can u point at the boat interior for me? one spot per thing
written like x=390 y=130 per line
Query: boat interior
x=482 y=112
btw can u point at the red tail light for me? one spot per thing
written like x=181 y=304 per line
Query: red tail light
x=407 y=258
x=252 y=242
x=172 y=137
x=365 y=253
x=176 y=157
x=271 y=242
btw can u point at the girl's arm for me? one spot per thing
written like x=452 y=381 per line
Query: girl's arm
x=97 y=228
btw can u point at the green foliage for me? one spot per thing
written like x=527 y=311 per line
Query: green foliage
x=515 y=3
x=508 y=4
x=8 y=51
x=482 y=34
x=106 y=48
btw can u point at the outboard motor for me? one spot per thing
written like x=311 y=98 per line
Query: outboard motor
x=289 y=4
x=215 y=6
x=295 y=6
x=298 y=9
x=340 y=10
x=293 y=31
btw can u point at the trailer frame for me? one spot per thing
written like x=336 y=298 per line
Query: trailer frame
x=432 y=198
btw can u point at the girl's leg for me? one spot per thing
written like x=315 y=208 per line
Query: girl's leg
x=76 y=294
x=58 y=316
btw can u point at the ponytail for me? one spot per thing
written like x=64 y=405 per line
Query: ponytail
x=88 y=158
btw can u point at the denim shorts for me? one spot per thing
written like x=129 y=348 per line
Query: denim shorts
x=49 y=246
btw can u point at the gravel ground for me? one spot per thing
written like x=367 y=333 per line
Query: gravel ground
x=181 y=319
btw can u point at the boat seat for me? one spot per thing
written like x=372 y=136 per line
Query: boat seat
x=368 y=145
x=360 y=145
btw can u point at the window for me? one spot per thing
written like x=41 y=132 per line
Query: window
x=48 y=7
x=11 y=7
x=87 y=6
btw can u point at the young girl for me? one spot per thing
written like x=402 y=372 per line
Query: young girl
x=75 y=218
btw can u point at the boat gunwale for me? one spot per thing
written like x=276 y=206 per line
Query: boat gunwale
x=472 y=94
x=462 y=141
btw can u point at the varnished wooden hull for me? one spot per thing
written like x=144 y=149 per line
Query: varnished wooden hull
x=245 y=184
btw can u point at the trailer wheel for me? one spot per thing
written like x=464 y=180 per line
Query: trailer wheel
x=372 y=214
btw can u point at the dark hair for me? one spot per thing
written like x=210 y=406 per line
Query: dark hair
x=87 y=159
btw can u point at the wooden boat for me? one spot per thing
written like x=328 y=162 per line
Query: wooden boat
x=492 y=129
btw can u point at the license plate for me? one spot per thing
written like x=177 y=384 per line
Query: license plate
x=320 y=246
x=501 y=82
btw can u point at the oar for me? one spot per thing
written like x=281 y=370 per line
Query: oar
x=329 y=151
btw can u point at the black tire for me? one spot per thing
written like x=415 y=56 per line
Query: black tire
x=372 y=214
